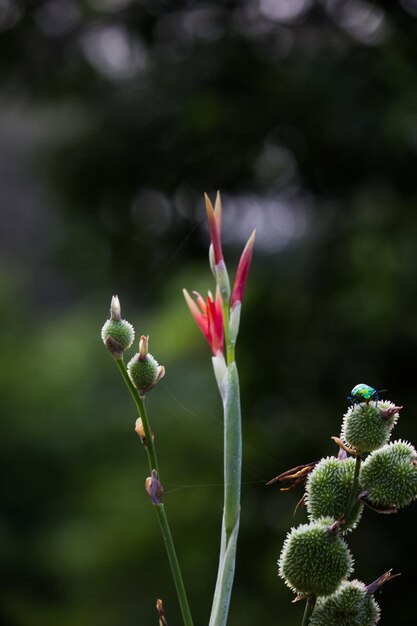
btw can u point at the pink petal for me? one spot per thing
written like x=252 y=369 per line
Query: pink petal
x=242 y=271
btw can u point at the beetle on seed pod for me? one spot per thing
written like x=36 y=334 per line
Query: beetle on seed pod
x=389 y=476
x=368 y=423
x=315 y=559
x=117 y=334
x=328 y=491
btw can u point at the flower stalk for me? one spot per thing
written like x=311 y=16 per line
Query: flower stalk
x=218 y=319
x=158 y=505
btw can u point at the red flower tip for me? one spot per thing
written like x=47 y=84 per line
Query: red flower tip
x=242 y=271
x=214 y=221
x=209 y=317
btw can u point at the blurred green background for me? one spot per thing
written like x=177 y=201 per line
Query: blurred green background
x=115 y=116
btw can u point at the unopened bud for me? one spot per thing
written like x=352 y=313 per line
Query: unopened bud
x=161 y=613
x=115 y=311
x=154 y=488
x=141 y=431
x=222 y=280
x=143 y=347
x=117 y=334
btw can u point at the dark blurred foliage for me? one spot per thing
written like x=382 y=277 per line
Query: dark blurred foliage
x=115 y=116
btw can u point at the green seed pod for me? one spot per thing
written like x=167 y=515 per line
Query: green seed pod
x=314 y=559
x=144 y=371
x=328 y=490
x=367 y=426
x=389 y=475
x=350 y=605
x=117 y=334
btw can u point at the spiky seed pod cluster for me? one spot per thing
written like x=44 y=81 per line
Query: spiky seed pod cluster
x=367 y=426
x=117 y=334
x=143 y=369
x=389 y=475
x=350 y=605
x=314 y=559
x=328 y=490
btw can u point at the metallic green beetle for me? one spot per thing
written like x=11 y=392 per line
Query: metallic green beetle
x=363 y=393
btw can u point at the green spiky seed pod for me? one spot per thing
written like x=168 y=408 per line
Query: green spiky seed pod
x=367 y=426
x=120 y=331
x=328 y=490
x=144 y=371
x=389 y=475
x=117 y=334
x=314 y=559
x=350 y=605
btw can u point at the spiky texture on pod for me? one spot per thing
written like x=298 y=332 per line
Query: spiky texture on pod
x=350 y=605
x=389 y=475
x=364 y=427
x=328 y=489
x=120 y=332
x=143 y=372
x=314 y=560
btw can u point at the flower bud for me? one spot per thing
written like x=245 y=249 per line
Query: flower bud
x=144 y=371
x=367 y=426
x=117 y=334
x=314 y=559
x=154 y=488
x=389 y=475
x=350 y=605
x=328 y=490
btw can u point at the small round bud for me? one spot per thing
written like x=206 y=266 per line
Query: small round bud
x=144 y=371
x=350 y=605
x=367 y=426
x=389 y=475
x=314 y=559
x=117 y=334
x=328 y=490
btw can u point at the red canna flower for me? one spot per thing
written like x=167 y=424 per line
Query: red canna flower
x=242 y=271
x=209 y=317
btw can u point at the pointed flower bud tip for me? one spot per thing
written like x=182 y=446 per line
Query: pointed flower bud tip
x=243 y=270
x=115 y=311
x=214 y=228
x=218 y=210
x=143 y=347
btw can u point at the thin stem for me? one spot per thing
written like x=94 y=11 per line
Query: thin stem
x=140 y=405
x=354 y=491
x=231 y=511
x=173 y=560
x=308 y=610
x=159 y=508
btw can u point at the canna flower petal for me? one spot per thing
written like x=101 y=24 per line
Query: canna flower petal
x=214 y=222
x=242 y=271
x=209 y=318
x=200 y=318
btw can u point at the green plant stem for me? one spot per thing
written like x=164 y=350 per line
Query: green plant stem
x=308 y=611
x=354 y=491
x=173 y=560
x=230 y=394
x=140 y=405
x=159 y=508
x=230 y=347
